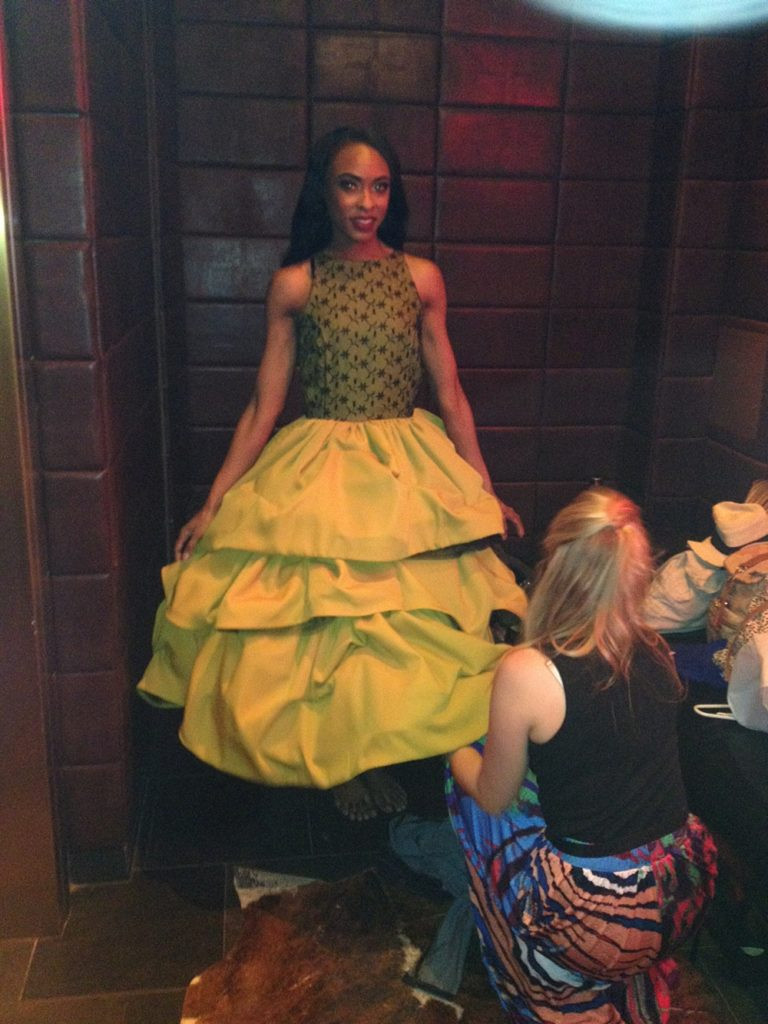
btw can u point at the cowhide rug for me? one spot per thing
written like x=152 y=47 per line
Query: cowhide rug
x=336 y=953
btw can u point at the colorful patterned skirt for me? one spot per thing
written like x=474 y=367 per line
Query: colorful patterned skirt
x=581 y=939
x=335 y=616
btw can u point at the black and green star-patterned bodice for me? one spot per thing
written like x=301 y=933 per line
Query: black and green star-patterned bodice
x=359 y=354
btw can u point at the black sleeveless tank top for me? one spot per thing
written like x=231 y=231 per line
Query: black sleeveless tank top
x=610 y=779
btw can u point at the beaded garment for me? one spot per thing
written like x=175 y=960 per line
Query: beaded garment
x=358 y=344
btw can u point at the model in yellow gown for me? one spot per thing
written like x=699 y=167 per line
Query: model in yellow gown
x=334 y=617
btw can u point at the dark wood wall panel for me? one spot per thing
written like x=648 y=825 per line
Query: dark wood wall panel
x=717 y=293
x=83 y=146
x=575 y=187
x=596 y=203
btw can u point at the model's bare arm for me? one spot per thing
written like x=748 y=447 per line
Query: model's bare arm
x=288 y=292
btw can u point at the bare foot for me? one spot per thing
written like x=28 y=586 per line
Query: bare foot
x=387 y=793
x=354 y=800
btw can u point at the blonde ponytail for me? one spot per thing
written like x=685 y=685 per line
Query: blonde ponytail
x=591 y=585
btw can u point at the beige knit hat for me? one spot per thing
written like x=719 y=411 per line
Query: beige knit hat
x=737 y=523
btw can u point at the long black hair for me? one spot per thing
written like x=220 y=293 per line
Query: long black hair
x=311 y=228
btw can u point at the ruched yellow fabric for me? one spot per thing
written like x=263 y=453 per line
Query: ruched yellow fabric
x=321 y=628
x=371 y=490
x=235 y=589
x=318 y=704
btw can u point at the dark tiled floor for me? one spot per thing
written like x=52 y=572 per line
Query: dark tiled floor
x=129 y=949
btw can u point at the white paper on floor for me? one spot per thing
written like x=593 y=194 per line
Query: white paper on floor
x=253 y=883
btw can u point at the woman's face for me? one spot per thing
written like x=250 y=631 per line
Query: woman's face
x=357 y=194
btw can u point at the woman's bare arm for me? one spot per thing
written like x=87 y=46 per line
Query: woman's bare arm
x=527 y=702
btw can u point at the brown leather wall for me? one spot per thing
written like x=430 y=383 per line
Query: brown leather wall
x=738 y=419
x=596 y=202
x=575 y=187
x=90 y=335
x=714 y=329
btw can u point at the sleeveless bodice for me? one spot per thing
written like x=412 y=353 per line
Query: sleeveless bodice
x=358 y=346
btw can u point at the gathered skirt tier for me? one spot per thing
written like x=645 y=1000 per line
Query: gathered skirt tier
x=335 y=616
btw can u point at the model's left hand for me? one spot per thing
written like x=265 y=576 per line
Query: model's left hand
x=511 y=517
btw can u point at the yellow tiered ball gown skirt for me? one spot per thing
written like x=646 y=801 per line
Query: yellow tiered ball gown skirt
x=334 y=617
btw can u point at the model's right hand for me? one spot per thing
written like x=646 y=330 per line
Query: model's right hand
x=511 y=518
x=191 y=533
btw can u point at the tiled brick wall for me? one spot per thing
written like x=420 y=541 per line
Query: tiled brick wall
x=81 y=139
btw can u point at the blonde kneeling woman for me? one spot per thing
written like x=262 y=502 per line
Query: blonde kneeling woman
x=586 y=868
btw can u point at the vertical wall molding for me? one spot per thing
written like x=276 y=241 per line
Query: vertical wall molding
x=32 y=897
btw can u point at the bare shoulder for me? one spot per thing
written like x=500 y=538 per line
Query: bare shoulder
x=289 y=288
x=525 y=687
x=426 y=276
x=523 y=663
